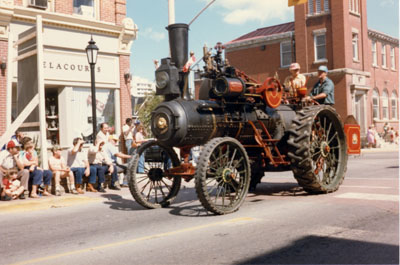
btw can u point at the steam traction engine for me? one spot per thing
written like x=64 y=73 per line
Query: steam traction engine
x=244 y=128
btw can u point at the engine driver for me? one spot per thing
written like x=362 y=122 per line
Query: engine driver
x=295 y=80
x=323 y=90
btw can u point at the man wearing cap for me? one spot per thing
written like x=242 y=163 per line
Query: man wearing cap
x=9 y=159
x=324 y=90
x=295 y=80
x=112 y=152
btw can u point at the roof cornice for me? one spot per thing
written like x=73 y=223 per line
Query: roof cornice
x=247 y=43
x=17 y=13
x=382 y=36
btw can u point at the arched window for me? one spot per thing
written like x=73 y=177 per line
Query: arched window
x=375 y=104
x=393 y=103
x=385 y=104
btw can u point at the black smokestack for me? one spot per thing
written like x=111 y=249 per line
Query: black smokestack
x=178 y=43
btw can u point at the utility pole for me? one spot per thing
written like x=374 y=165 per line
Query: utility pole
x=171 y=12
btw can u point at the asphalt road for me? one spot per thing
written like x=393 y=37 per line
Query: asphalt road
x=279 y=224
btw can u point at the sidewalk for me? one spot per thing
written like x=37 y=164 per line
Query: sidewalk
x=386 y=147
x=65 y=200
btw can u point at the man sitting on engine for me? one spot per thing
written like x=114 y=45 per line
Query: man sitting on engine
x=295 y=80
x=323 y=90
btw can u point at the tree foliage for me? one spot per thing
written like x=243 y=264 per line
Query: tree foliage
x=152 y=101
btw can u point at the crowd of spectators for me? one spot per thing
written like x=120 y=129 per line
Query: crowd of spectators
x=21 y=175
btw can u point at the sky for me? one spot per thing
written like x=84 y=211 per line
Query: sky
x=223 y=21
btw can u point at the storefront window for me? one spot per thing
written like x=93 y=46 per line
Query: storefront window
x=375 y=104
x=82 y=110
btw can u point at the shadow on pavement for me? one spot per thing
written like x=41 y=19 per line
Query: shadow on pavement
x=328 y=250
x=190 y=211
x=117 y=202
x=279 y=189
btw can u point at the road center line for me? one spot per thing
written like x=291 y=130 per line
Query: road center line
x=130 y=241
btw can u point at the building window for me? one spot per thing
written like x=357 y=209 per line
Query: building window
x=286 y=53
x=354 y=6
x=81 y=108
x=393 y=103
x=374 y=55
x=85 y=8
x=311 y=7
x=317 y=6
x=392 y=58
x=326 y=5
x=375 y=104
x=320 y=46
x=355 y=46
x=383 y=53
x=385 y=105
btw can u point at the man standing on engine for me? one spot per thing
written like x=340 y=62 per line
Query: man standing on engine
x=324 y=90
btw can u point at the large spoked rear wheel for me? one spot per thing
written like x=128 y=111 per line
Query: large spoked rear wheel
x=149 y=184
x=318 y=149
x=222 y=176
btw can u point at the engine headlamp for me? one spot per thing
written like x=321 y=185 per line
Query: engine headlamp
x=162 y=79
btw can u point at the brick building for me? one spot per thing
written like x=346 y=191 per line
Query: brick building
x=363 y=63
x=67 y=27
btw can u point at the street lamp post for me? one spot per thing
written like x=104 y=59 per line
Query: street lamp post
x=91 y=52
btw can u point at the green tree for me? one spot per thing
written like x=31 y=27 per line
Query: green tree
x=151 y=102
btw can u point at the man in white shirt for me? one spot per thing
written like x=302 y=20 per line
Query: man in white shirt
x=103 y=134
x=78 y=162
x=9 y=159
x=99 y=159
x=113 y=153
x=127 y=130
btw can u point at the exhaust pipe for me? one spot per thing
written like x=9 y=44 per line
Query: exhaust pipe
x=178 y=43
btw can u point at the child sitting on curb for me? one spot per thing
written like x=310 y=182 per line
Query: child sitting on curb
x=12 y=186
x=60 y=170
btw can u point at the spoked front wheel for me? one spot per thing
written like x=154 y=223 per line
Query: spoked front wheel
x=222 y=176
x=149 y=184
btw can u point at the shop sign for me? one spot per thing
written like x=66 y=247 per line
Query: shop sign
x=72 y=68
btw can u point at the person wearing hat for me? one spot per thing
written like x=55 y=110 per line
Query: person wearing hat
x=295 y=80
x=113 y=153
x=323 y=90
x=39 y=177
x=9 y=160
